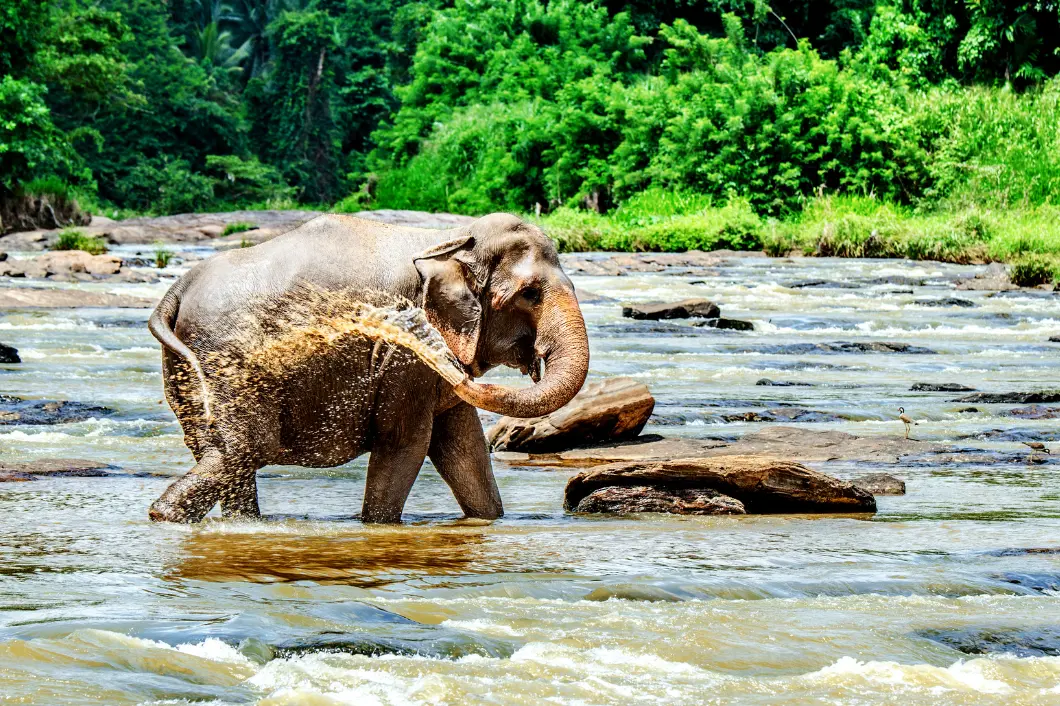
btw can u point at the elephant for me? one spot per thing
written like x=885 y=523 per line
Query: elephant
x=495 y=291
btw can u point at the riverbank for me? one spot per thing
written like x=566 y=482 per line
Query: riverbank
x=1028 y=239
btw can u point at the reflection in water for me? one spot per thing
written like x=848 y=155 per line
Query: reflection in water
x=97 y=605
x=344 y=554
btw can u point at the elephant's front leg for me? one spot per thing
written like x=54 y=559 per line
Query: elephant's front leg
x=458 y=450
x=392 y=469
x=214 y=478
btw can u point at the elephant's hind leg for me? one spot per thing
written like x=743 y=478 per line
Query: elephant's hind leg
x=213 y=479
x=458 y=450
x=392 y=469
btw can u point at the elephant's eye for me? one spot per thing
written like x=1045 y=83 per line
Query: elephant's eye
x=531 y=294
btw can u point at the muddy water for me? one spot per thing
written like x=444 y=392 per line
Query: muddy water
x=97 y=605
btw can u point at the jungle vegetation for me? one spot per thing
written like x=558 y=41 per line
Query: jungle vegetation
x=909 y=128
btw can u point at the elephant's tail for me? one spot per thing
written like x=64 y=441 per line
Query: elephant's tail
x=161 y=327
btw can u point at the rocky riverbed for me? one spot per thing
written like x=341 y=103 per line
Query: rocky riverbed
x=946 y=594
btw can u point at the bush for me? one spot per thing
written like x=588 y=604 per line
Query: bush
x=238 y=181
x=237 y=227
x=162 y=256
x=1032 y=271
x=166 y=186
x=76 y=240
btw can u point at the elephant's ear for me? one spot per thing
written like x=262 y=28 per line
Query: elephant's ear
x=450 y=295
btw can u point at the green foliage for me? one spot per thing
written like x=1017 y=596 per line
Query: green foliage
x=72 y=239
x=238 y=181
x=166 y=186
x=237 y=227
x=30 y=144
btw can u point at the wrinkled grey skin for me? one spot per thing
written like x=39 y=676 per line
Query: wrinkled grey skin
x=494 y=289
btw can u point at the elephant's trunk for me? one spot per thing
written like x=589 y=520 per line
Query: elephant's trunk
x=563 y=346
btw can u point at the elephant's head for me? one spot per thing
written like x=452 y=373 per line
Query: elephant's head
x=497 y=294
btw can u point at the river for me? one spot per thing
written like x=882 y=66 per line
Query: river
x=98 y=605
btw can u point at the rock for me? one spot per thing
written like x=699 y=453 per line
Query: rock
x=810 y=445
x=688 y=308
x=726 y=324
x=680 y=501
x=1027 y=642
x=63 y=262
x=33 y=240
x=605 y=410
x=880 y=484
x=968 y=410
x=15 y=410
x=416 y=219
x=994 y=279
x=101 y=221
x=1011 y=397
x=776 y=441
x=1054 y=339
x=646 y=450
x=586 y=297
x=9 y=354
x=783 y=414
x=39 y=298
x=193 y=227
x=763 y=485
x=822 y=284
x=766 y=382
x=840 y=347
x=945 y=301
x=940 y=387
x=52 y=467
x=900 y=280
x=1035 y=412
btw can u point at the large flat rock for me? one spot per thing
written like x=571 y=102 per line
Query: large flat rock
x=656 y=449
x=41 y=298
x=14 y=472
x=763 y=485
x=775 y=442
x=612 y=410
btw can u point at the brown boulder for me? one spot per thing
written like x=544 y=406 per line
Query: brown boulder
x=763 y=485
x=605 y=410
x=642 y=498
x=655 y=449
x=688 y=308
x=63 y=262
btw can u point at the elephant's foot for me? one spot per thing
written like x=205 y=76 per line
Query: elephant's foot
x=187 y=500
x=239 y=501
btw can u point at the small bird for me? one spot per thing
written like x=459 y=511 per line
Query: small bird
x=906 y=419
x=1037 y=446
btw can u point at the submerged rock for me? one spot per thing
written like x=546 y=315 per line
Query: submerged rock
x=688 y=308
x=841 y=347
x=822 y=284
x=783 y=414
x=15 y=410
x=1035 y=411
x=945 y=301
x=642 y=498
x=763 y=485
x=52 y=467
x=726 y=324
x=652 y=449
x=1012 y=397
x=766 y=382
x=1030 y=642
x=9 y=354
x=940 y=387
x=605 y=410
x=1054 y=339
x=880 y=484
x=587 y=297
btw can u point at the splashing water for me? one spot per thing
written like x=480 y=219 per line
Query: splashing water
x=316 y=320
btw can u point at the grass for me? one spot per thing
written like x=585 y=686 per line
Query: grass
x=73 y=239
x=162 y=256
x=237 y=227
